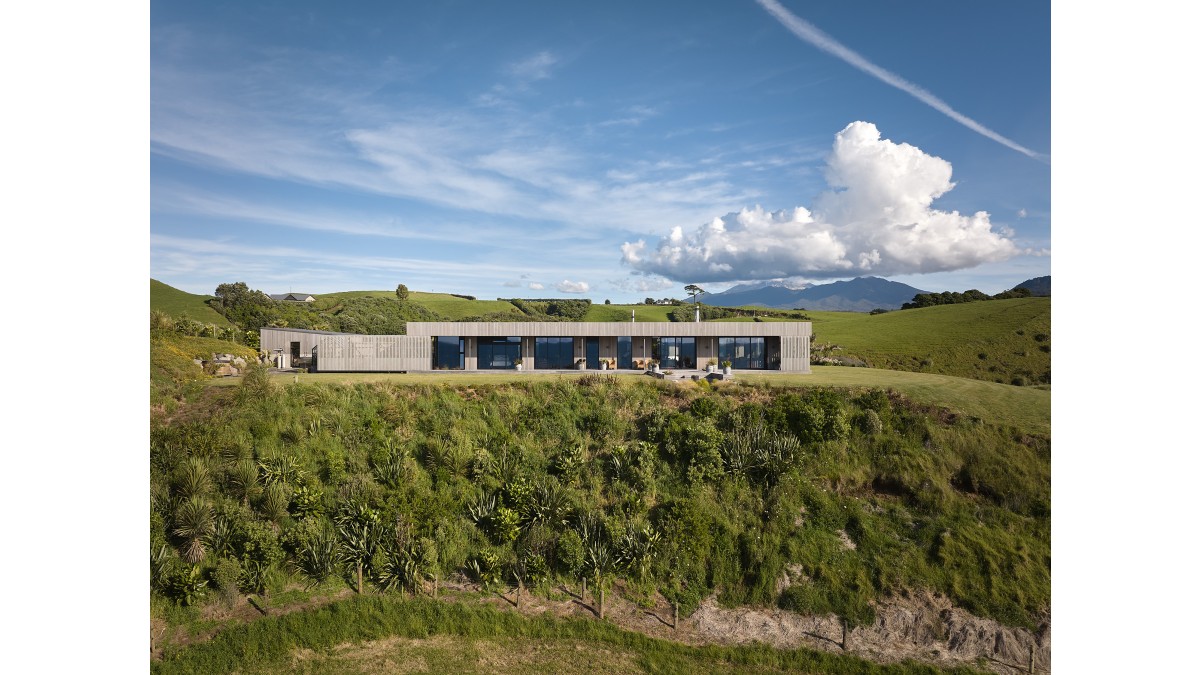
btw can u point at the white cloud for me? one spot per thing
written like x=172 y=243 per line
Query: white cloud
x=643 y=284
x=536 y=67
x=512 y=284
x=566 y=286
x=1022 y=213
x=877 y=219
x=535 y=286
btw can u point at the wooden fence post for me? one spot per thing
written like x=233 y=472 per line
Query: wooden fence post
x=1031 y=662
x=845 y=633
x=674 y=615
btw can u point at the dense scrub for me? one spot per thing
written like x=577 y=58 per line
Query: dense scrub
x=680 y=489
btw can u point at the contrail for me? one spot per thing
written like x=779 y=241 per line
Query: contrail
x=813 y=35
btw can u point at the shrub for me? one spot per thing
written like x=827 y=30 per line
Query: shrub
x=225 y=577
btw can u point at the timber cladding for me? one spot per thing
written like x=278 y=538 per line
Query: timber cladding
x=373 y=353
x=611 y=329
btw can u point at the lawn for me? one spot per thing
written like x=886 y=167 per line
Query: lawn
x=1025 y=408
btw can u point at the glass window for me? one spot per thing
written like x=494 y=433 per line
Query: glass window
x=624 y=351
x=676 y=352
x=743 y=353
x=553 y=353
x=448 y=352
x=498 y=353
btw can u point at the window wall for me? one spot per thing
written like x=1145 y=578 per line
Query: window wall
x=448 y=352
x=554 y=353
x=498 y=353
x=677 y=352
x=745 y=353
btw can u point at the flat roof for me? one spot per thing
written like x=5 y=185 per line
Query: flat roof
x=610 y=328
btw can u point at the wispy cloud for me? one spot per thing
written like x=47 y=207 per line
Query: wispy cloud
x=817 y=38
x=536 y=67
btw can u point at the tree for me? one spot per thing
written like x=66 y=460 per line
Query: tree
x=402 y=292
x=694 y=291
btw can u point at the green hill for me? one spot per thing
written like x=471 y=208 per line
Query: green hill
x=179 y=303
x=998 y=340
x=623 y=312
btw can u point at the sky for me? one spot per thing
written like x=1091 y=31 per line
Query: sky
x=616 y=150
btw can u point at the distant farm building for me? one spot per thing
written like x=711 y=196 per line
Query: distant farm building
x=292 y=297
x=776 y=345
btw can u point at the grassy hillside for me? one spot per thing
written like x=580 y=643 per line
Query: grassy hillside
x=450 y=307
x=179 y=303
x=174 y=375
x=1025 y=409
x=996 y=340
x=687 y=492
x=602 y=312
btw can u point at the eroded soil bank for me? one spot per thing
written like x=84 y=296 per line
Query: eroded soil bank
x=920 y=626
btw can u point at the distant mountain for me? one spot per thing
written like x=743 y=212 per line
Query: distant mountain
x=857 y=295
x=1038 y=286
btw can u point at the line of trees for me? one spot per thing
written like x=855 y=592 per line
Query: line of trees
x=953 y=298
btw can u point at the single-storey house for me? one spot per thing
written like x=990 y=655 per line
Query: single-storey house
x=292 y=297
x=449 y=345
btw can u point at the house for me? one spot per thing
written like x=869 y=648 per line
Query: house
x=292 y=297
x=563 y=345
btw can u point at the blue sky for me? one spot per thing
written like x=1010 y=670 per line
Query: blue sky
x=546 y=149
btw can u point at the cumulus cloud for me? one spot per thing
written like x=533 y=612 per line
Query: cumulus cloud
x=877 y=219
x=535 y=286
x=566 y=286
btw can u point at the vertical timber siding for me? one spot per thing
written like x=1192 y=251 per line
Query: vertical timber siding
x=793 y=354
x=373 y=353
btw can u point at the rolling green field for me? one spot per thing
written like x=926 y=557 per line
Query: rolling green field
x=451 y=307
x=992 y=340
x=178 y=303
x=602 y=312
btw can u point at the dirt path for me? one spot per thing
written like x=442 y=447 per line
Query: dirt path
x=920 y=626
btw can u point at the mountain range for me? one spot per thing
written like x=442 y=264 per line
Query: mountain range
x=857 y=295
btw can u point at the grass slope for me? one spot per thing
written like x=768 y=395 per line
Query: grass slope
x=174 y=376
x=623 y=312
x=360 y=635
x=1024 y=408
x=179 y=303
x=451 y=307
x=996 y=340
